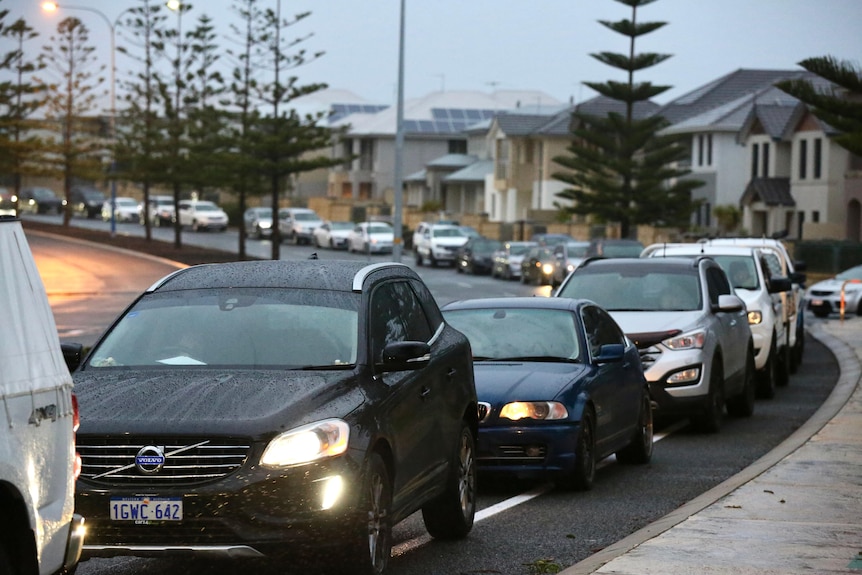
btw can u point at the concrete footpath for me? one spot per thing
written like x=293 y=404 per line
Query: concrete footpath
x=798 y=509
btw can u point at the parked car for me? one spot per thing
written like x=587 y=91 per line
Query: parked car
x=546 y=239
x=559 y=386
x=477 y=255
x=537 y=266
x=793 y=301
x=695 y=344
x=470 y=232
x=567 y=256
x=40 y=532
x=613 y=248
x=160 y=211
x=125 y=210
x=7 y=202
x=257 y=222
x=371 y=237
x=40 y=201
x=244 y=409
x=750 y=277
x=202 y=215
x=298 y=224
x=333 y=234
x=824 y=297
x=507 y=261
x=438 y=244
x=86 y=201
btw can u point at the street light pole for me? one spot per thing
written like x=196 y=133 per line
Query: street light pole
x=398 y=245
x=53 y=7
x=177 y=6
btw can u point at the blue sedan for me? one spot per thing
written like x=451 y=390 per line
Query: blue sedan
x=560 y=387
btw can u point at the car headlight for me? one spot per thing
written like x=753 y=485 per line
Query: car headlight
x=690 y=340
x=308 y=443
x=547 y=269
x=546 y=410
x=754 y=317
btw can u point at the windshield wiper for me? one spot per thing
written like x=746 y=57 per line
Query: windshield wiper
x=327 y=367
x=544 y=358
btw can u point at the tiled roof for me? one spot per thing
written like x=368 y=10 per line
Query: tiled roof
x=475 y=172
x=452 y=161
x=602 y=106
x=519 y=124
x=770 y=191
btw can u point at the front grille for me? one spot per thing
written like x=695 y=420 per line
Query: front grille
x=188 y=460
x=189 y=532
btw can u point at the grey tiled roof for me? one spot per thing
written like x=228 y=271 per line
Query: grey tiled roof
x=602 y=106
x=452 y=161
x=724 y=90
x=770 y=191
x=475 y=172
x=520 y=124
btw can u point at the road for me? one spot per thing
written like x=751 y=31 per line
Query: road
x=521 y=528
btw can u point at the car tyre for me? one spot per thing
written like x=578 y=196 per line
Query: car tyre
x=742 y=405
x=710 y=419
x=782 y=373
x=450 y=516
x=584 y=473
x=371 y=540
x=766 y=377
x=639 y=451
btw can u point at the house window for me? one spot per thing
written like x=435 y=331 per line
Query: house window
x=502 y=160
x=707 y=208
x=803 y=159
x=818 y=158
x=801 y=224
x=347 y=153
x=366 y=154
x=700 y=151
x=457 y=146
x=815 y=216
x=755 y=148
x=765 y=160
x=709 y=149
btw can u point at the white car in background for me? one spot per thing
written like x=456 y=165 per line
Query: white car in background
x=160 y=211
x=125 y=210
x=298 y=224
x=439 y=243
x=371 y=237
x=824 y=297
x=332 y=235
x=202 y=215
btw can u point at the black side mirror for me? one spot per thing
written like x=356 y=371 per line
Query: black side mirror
x=405 y=356
x=73 y=354
x=778 y=284
x=611 y=352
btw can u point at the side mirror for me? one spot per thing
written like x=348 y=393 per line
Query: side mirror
x=800 y=266
x=799 y=278
x=611 y=352
x=405 y=356
x=778 y=284
x=73 y=354
x=729 y=303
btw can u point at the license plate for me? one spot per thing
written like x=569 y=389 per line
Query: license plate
x=816 y=302
x=146 y=509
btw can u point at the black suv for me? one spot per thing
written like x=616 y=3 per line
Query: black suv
x=86 y=201
x=250 y=409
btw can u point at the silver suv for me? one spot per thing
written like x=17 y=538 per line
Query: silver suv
x=695 y=344
x=750 y=275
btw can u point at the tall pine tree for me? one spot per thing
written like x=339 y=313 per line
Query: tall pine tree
x=619 y=168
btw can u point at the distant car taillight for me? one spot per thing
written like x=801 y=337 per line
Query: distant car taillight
x=76 y=423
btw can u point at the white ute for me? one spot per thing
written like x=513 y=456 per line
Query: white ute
x=39 y=531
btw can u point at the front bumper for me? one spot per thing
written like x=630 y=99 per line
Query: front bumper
x=252 y=513
x=527 y=451
x=75 y=542
x=674 y=398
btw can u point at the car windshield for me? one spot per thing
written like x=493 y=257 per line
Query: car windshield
x=43 y=194
x=622 y=250
x=201 y=207
x=127 y=202
x=246 y=328
x=305 y=217
x=164 y=202
x=518 y=333
x=486 y=246
x=447 y=233
x=341 y=225
x=577 y=251
x=519 y=249
x=636 y=288
x=740 y=271
x=264 y=213
x=93 y=194
x=854 y=273
x=379 y=229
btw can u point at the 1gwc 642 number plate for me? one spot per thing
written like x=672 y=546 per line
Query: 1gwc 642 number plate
x=146 y=509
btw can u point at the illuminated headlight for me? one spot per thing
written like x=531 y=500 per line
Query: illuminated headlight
x=754 y=317
x=691 y=340
x=547 y=269
x=308 y=443
x=689 y=375
x=570 y=268
x=546 y=410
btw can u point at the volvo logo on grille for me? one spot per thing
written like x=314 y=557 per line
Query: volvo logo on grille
x=150 y=459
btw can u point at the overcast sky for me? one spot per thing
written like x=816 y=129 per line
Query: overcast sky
x=525 y=44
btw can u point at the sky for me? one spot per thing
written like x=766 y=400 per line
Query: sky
x=487 y=45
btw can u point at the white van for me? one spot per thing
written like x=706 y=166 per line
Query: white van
x=39 y=531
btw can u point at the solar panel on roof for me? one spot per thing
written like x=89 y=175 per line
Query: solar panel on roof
x=439 y=113
x=473 y=114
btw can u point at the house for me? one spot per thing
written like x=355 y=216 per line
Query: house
x=434 y=127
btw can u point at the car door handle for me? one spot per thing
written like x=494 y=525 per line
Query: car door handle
x=450 y=375
x=426 y=391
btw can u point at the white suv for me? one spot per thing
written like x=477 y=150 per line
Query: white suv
x=298 y=224
x=439 y=243
x=749 y=273
x=39 y=531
